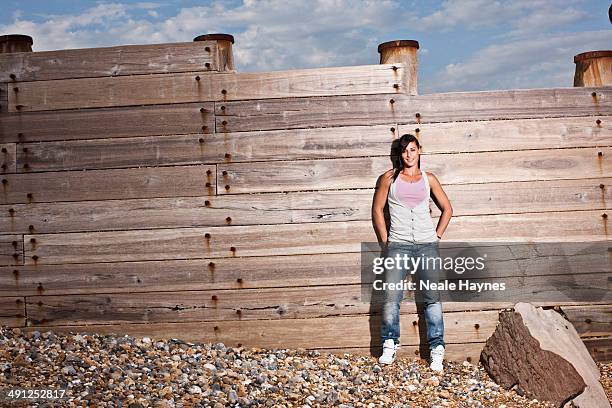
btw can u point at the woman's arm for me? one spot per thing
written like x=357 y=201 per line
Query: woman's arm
x=442 y=202
x=378 y=205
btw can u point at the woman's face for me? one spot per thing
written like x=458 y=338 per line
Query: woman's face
x=410 y=156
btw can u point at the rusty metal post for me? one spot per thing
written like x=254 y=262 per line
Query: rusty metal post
x=225 y=56
x=15 y=43
x=404 y=52
x=593 y=68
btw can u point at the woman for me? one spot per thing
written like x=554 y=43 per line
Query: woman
x=407 y=190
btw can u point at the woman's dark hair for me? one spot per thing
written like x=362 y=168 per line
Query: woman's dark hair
x=398 y=148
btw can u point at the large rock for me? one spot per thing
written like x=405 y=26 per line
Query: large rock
x=541 y=353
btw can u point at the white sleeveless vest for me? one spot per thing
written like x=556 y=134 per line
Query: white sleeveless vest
x=410 y=225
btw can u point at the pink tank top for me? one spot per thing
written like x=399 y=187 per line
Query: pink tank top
x=411 y=194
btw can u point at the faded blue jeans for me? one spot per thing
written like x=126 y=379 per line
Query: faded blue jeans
x=430 y=299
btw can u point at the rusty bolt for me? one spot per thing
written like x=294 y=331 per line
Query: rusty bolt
x=202 y=110
x=14 y=244
x=602 y=186
x=417 y=130
x=207 y=65
x=26 y=166
x=17 y=89
x=204 y=127
x=600 y=154
x=11 y=211
x=4 y=150
x=233 y=249
x=224 y=122
x=604 y=216
x=222 y=107
x=3 y=166
x=208 y=172
x=224 y=173
x=227 y=187
x=13 y=77
x=228 y=219
x=216 y=328
x=588 y=321
x=239 y=280
x=211 y=264
x=228 y=156
x=30 y=227
x=4 y=181
x=214 y=297
x=207 y=49
x=418 y=115
x=25 y=149
x=396 y=86
x=16 y=256
x=391 y=101
x=19 y=134
x=201 y=140
x=598 y=121
x=394 y=68
x=29 y=195
x=15 y=272
x=223 y=91
x=207 y=203
x=35 y=257
x=238 y=311
x=197 y=78
x=18 y=107
x=392 y=129
x=207 y=184
x=477 y=326
x=33 y=240
x=207 y=235
x=594 y=94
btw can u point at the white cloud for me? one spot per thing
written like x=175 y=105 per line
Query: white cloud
x=544 y=61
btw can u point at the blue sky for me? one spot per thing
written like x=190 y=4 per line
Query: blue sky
x=466 y=45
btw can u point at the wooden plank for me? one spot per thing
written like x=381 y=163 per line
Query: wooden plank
x=293 y=333
x=600 y=348
x=593 y=321
x=109 y=61
x=109 y=184
x=318 y=112
x=291 y=303
x=294 y=207
x=336 y=142
x=3 y=97
x=519 y=134
x=107 y=123
x=463 y=168
x=198 y=148
x=197 y=87
x=289 y=239
x=11 y=250
x=254 y=272
x=12 y=311
x=8 y=162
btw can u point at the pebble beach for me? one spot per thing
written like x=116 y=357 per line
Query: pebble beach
x=113 y=371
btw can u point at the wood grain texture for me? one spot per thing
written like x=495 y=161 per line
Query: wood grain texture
x=285 y=303
x=460 y=168
x=317 y=112
x=295 y=207
x=351 y=141
x=518 y=134
x=8 y=160
x=11 y=250
x=107 y=123
x=600 y=348
x=3 y=97
x=289 y=239
x=109 y=61
x=199 y=87
x=199 y=148
x=269 y=271
x=12 y=311
x=108 y=184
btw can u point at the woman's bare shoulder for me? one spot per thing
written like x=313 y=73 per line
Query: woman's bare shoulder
x=386 y=178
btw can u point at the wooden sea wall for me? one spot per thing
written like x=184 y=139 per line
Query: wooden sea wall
x=146 y=191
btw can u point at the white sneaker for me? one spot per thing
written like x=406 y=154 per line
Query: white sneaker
x=389 y=352
x=437 y=356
